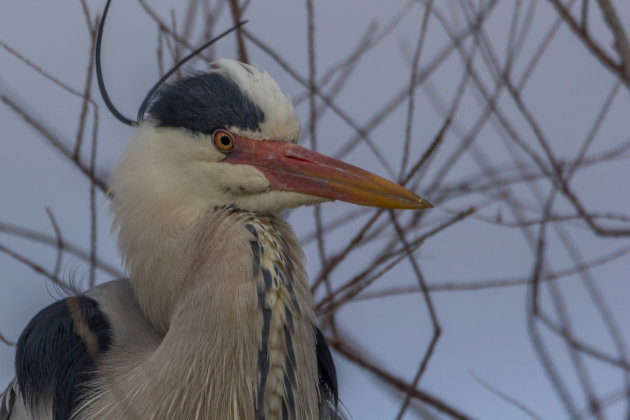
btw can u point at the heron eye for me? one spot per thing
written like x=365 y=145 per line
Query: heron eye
x=223 y=140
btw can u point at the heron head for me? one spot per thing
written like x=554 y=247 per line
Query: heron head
x=229 y=137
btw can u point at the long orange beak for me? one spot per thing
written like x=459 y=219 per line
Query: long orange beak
x=289 y=167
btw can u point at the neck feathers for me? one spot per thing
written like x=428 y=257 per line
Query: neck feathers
x=231 y=296
x=286 y=337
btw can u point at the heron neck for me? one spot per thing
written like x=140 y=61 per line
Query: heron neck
x=232 y=297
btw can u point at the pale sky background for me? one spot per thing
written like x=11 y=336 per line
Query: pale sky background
x=483 y=332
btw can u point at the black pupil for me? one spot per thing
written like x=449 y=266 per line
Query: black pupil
x=225 y=140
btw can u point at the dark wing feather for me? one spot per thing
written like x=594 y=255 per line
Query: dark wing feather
x=7 y=401
x=327 y=378
x=52 y=361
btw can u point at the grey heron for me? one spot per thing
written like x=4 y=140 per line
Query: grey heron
x=216 y=320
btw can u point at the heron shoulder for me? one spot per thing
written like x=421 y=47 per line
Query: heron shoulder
x=131 y=330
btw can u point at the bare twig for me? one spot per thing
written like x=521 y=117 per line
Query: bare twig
x=53 y=241
x=236 y=19
x=590 y=43
x=621 y=40
x=412 y=87
x=437 y=329
x=67 y=288
x=53 y=140
x=60 y=244
x=392 y=380
x=522 y=407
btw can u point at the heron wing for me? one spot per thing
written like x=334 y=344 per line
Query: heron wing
x=329 y=406
x=7 y=400
x=55 y=356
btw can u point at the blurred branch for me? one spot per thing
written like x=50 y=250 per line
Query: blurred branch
x=51 y=216
x=437 y=329
x=412 y=92
x=360 y=281
x=590 y=43
x=398 y=383
x=53 y=241
x=236 y=19
x=522 y=407
x=479 y=285
x=66 y=287
x=621 y=40
x=54 y=141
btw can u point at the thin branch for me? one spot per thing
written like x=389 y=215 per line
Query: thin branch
x=481 y=285
x=53 y=140
x=53 y=242
x=235 y=9
x=512 y=401
x=412 y=87
x=590 y=43
x=60 y=246
x=437 y=329
x=399 y=384
x=621 y=40
x=67 y=288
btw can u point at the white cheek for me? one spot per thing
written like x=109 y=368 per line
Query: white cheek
x=241 y=179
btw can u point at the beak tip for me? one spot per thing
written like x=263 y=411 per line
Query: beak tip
x=424 y=204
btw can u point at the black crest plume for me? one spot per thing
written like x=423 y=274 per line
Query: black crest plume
x=147 y=99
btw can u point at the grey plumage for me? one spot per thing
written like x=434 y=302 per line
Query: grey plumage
x=134 y=335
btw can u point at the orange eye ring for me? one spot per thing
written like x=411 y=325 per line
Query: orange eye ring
x=223 y=140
